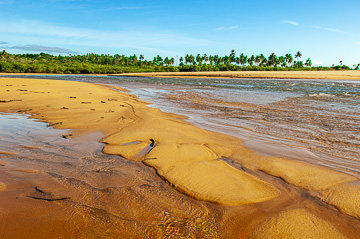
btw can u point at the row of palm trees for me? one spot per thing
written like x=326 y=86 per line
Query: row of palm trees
x=243 y=60
x=215 y=60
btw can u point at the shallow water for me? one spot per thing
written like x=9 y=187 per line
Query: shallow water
x=310 y=120
x=70 y=186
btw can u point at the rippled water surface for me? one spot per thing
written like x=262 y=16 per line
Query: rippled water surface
x=317 y=119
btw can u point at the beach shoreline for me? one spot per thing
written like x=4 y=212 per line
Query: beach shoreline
x=185 y=156
x=298 y=75
x=295 y=75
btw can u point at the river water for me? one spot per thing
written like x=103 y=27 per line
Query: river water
x=310 y=120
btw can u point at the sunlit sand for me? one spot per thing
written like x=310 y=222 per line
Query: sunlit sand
x=194 y=161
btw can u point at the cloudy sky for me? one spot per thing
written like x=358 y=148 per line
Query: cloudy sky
x=326 y=31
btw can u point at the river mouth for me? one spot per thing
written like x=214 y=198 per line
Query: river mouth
x=115 y=195
x=318 y=118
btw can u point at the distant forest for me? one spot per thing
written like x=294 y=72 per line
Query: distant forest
x=112 y=64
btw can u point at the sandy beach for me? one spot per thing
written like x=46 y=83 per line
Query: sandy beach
x=161 y=177
x=329 y=75
x=326 y=75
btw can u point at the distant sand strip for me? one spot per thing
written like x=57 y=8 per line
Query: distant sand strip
x=328 y=75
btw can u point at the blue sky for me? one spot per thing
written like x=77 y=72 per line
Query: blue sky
x=325 y=31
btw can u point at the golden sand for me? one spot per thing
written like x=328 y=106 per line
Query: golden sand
x=345 y=197
x=191 y=159
x=2 y=186
x=329 y=75
x=304 y=175
x=297 y=223
x=180 y=147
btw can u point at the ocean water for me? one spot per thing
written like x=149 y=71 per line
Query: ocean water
x=317 y=121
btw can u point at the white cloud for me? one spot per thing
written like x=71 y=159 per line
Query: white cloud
x=316 y=62
x=39 y=48
x=227 y=28
x=291 y=23
x=3 y=42
x=332 y=30
x=328 y=29
x=35 y=33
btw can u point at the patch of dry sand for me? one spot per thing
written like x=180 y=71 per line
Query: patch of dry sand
x=346 y=197
x=304 y=175
x=298 y=223
x=330 y=75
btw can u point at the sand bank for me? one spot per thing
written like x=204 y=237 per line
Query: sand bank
x=328 y=75
x=123 y=118
x=286 y=225
x=191 y=159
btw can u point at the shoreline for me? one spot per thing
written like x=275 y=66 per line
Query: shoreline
x=185 y=156
x=295 y=75
x=306 y=75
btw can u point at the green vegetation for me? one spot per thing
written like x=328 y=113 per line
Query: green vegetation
x=107 y=64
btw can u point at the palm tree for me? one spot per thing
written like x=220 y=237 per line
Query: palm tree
x=211 y=59
x=166 y=61
x=159 y=60
x=216 y=59
x=288 y=58
x=205 y=58
x=282 y=61
x=141 y=57
x=257 y=60
x=192 y=59
x=298 y=55
x=273 y=60
x=226 y=60
x=308 y=63
x=232 y=56
x=243 y=59
x=199 y=59
x=251 y=60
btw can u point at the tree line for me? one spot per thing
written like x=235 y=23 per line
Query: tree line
x=111 y=64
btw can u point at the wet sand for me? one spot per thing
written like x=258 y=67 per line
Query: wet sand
x=330 y=75
x=187 y=182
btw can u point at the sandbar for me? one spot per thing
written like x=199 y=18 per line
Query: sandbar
x=192 y=160
x=304 y=75
x=325 y=75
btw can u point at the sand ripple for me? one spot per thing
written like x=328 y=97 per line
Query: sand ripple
x=297 y=223
x=346 y=197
